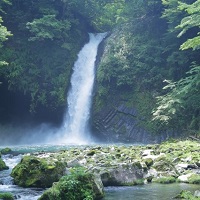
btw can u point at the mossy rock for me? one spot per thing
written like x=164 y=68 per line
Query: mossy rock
x=136 y=182
x=91 y=152
x=165 y=180
x=194 y=179
x=6 y=151
x=78 y=185
x=3 y=165
x=6 y=196
x=37 y=172
x=163 y=164
x=148 y=162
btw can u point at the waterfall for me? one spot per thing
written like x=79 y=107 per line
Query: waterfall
x=76 y=130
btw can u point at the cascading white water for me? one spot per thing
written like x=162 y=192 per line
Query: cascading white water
x=80 y=95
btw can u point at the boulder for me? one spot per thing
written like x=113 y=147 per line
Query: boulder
x=6 y=151
x=123 y=174
x=191 y=178
x=78 y=185
x=3 y=165
x=37 y=172
x=197 y=193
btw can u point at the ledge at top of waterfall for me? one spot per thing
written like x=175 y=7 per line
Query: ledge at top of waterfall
x=75 y=128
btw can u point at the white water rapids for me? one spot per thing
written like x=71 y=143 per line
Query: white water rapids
x=75 y=128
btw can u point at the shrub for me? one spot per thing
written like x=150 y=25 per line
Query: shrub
x=6 y=196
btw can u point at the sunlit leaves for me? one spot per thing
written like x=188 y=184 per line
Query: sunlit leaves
x=193 y=43
x=182 y=97
x=48 y=27
x=188 y=22
x=4 y=34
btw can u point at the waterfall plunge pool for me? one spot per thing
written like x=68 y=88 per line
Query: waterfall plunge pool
x=150 y=191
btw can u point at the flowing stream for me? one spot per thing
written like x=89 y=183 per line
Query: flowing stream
x=142 y=192
x=80 y=95
x=7 y=185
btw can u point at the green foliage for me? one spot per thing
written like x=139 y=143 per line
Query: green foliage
x=188 y=22
x=48 y=35
x=75 y=186
x=101 y=15
x=180 y=104
x=194 y=179
x=4 y=34
x=165 y=180
x=182 y=97
x=184 y=194
x=44 y=56
x=137 y=63
x=142 y=51
x=6 y=196
x=6 y=151
x=48 y=27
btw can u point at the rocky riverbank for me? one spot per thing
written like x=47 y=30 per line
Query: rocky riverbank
x=114 y=165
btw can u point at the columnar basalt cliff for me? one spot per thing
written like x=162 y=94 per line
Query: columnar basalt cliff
x=121 y=110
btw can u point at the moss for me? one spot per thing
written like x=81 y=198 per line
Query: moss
x=194 y=179
x=6 y=151
x=184 y=194
x=165 y=180
x=78 y=185
x=148 y=162
x=6 y=196
x=3 y=165
x=137 y=164
x=136 y=182
x=91 y=153
x=36 y=172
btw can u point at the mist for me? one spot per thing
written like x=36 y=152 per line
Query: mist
x=27 y=134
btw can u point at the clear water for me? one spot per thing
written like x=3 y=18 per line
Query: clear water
x=144 y=192
x=148 y=192
x=7 y=185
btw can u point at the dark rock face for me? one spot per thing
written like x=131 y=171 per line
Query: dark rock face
x=122 y=108
x=118 y=123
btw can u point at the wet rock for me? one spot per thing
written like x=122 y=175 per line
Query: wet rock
x=184 y=178
x=197 y=193
x=124 y=174
x=37 y=172
x=6 y=151
x=3 y=165
x=147 y=152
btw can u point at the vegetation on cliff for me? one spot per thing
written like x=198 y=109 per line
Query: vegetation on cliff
x=157 y=47
x=150 y=42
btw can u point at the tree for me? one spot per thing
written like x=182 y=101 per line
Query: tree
x=181 y=103
x=4 y=33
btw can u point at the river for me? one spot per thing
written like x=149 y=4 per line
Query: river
x=142 y=192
